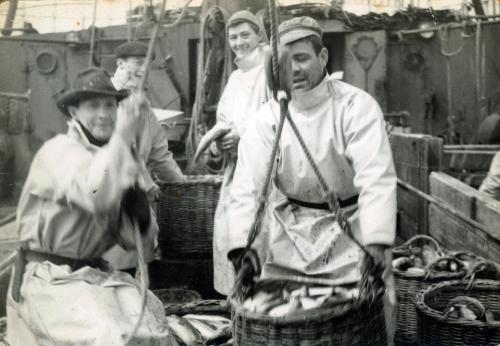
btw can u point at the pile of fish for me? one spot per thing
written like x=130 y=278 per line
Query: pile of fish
x=420 y=258
x=284 y=302
x=194 y=329
x=461 y=308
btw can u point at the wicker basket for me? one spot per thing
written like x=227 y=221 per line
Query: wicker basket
x=3 y=331
x=210 y=306
x=434 y=328
x=350 y=323
x=407 y=285
x=186 y=216
x=176 y=295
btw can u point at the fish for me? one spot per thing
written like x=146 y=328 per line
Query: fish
x=402 y=263
x=320 y=291
x=302 y=291
x=310 y=303
x=261 y=301
x=415 y=271
x=205 y=330
x=429 y=255
x=208 y=318
x=217 y=131
x=285 y=309
x=184 y=331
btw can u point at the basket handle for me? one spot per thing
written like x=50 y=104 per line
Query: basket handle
x=478 y=267
x=477 y=307
x=432 y=266
x=409 y=243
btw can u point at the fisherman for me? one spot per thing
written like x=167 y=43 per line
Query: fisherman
x=152 y=147
x=344 y=130
x=71 y=211
x=491 y=184
x=245 y=92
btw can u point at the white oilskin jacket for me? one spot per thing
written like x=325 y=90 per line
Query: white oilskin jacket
x=245 y=92
x=344 y=129
x=70 y=207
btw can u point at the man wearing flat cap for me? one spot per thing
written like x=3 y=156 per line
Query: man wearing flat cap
x=245 y=92
x=70 y=212
x=343 y=127
x=152 y=144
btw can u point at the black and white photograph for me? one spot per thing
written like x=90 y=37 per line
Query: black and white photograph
x=249 y=172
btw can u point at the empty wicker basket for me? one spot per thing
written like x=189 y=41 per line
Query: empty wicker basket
x=186 y=216
x=436 y=328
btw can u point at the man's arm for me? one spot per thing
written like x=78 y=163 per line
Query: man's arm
x=160 y=159
x=253 y=156
x=491 y=184
x=367 y=147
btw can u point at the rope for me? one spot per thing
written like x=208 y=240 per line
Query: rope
x=330 y=194
x=197 y=111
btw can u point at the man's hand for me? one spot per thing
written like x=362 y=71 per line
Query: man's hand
x=128 y=118
x=377 y=252
x=230 y=140
x=154 y=194
x=246 y=265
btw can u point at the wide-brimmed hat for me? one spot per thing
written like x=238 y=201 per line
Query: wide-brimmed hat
x=298 y=28
x=89 y=83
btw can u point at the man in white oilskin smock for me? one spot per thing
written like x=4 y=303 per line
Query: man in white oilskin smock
x=245 y=92
x=344 y=129
x=77 y=202
x=156 y=158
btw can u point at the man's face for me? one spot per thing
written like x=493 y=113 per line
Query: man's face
x=97 y=114
x=129 y=72
x=242 y=39
x=307 y=66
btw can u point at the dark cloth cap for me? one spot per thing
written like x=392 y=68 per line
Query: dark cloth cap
x=243 y=16
x=89 y=83
x=298 y=28
x=133 y=48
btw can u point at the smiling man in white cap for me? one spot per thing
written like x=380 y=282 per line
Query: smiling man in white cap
x=245 y=92
x=344 y=129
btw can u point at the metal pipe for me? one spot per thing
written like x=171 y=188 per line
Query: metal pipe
x=92 y=37
x=479 y=152
x=482 y=17
x=472 y=146
x=16 y=96
x=449 y=26
x=35 y=40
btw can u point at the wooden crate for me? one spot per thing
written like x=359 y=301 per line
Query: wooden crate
x=455 y=233
x=415 y=156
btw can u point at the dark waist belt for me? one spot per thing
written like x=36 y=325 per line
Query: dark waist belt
x=75 y=264
x=25 y=256
x=344 y=203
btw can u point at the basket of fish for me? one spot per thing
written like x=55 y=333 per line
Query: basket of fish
x=415 y=268
x=280 y=312
x=199 y=329
x=186 y=216
x=456 y=313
